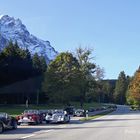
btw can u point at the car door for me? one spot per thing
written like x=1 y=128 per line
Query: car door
x=7 y=121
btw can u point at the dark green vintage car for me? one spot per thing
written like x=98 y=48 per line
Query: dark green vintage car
x=7 y=122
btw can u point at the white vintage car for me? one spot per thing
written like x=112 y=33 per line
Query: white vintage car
x=57 y=116
x=79 y=113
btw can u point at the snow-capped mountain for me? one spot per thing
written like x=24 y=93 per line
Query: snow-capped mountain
x=13 y=29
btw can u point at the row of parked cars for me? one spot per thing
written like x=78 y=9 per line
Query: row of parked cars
x=33 y=116
x=82 y=112
x=39 y=116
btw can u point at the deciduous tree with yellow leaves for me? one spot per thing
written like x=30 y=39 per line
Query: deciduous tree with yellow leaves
x=133 y=96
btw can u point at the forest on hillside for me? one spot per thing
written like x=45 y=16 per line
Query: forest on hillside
x=68 y=78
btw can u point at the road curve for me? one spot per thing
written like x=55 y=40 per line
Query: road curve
x=122 y=124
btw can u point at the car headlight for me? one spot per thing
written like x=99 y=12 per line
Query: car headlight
x=47 y=117
x=55 y=116
x=61 y=117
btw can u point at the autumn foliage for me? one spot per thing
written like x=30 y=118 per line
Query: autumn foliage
x=134 y=89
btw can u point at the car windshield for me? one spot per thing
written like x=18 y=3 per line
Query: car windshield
x=79 y=110
x=2 y=115
x=58 y=111
x=30 y=112
x=43 y=111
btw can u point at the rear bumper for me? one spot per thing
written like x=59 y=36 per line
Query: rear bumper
x=55 y=120
x=26 y=121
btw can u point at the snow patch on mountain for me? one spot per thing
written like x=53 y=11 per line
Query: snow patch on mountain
x=13 y=29
x=1 y=16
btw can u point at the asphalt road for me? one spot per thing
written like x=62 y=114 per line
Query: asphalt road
x=122 y=124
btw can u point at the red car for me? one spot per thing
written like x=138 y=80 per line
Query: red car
x=30 y=117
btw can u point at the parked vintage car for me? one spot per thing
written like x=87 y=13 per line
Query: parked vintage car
x=43 y=114
x=30 y=117
x=79 y=113
x=91 y=109
x=70 y=110
x=57 y=116
x=7 y=122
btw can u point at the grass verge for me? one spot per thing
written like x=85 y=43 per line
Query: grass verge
x=18 y=109
x=96 y=116
x=15 y=110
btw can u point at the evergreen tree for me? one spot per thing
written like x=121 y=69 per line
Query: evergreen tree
x=17 y=64
x=26 y=63
x=121 y=88
x=11 y=63
x=36 y=63
x=39 y=64
x=107 y=90
x=43 y=64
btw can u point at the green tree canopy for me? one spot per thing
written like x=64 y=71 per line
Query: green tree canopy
x=62 y=78
x=39 y=64
x=88 y=69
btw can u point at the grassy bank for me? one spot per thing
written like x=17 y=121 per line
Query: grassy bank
x=96 y=116
x=18 y=109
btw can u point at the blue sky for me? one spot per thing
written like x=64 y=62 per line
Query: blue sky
x=110 y=27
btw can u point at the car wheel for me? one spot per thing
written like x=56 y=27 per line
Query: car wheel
x=18 y=123
x=65 y=120
x=47 y=122
x=14 y=124
x=68 y=120
x=30 y=123
x=1 y=128
x=36 y=122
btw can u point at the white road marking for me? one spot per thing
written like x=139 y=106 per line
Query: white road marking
x=25 y=137
x=46 y=131
x=62 y=126
x=36 y=133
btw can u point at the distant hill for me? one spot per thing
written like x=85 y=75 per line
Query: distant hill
x=111 y=81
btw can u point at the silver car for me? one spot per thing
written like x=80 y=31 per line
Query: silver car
x=57 y=116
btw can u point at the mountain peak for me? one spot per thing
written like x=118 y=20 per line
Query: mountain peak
x=13 y=29
x=6 y=18
x=1 y=16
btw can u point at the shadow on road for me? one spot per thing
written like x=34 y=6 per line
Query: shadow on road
x=28 y=129
x=42 y=130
